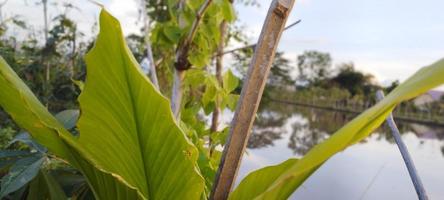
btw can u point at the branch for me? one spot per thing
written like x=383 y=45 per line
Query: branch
x=250 y=97
x=219 y=66
x=184 y=48
x=182 y=63
x=292 y=24
x=419 y=187
x=176 y=96
x=252 y=46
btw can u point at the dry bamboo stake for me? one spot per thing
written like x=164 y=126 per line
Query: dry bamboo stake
x=419 y=187
x=250 y=97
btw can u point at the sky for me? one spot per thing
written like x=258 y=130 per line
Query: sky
x=390 y=39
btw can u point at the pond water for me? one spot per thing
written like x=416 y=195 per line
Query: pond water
x=371 y=169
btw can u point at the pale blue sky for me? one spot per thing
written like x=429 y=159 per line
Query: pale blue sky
x=390 y=39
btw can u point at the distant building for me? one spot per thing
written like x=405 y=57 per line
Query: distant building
x=428 y=97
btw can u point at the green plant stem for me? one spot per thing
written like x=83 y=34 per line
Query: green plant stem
x=182 y=64
x=219 y=65
x=176 y=95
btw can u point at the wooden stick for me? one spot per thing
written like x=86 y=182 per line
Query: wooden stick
x=250 y=97
x=420 y=191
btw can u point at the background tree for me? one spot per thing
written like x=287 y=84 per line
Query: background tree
x=391 y=87
x=357 y=83
x=314 y=66
x=281 y=70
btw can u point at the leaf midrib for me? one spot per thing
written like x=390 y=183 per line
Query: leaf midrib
x=133 y=109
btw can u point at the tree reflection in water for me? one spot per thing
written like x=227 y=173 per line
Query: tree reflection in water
x=267 y=128
x=307 y=127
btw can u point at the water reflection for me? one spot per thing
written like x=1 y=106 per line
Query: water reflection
x=372 y=169
x=316 y=125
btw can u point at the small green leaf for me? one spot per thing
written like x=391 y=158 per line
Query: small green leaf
x=211 y=89
x=173 y=33
x=215 y=157
x=211 y=31
x=230 y=101
x=219 y=138
x=23 y=171
x=198 y=58
x=195 y=77
x=68 y=118
x=228 y=11
x=25 y=138
x=80 y=84
x=230 y=81
x=13 y=153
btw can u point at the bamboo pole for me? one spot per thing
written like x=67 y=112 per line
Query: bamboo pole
x=250 y=97
x=417 y=183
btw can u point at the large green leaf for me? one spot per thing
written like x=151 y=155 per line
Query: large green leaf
x=129 y=146
x=30 y=114
x=359 y=128
x=21 y=104
x=127 y=127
